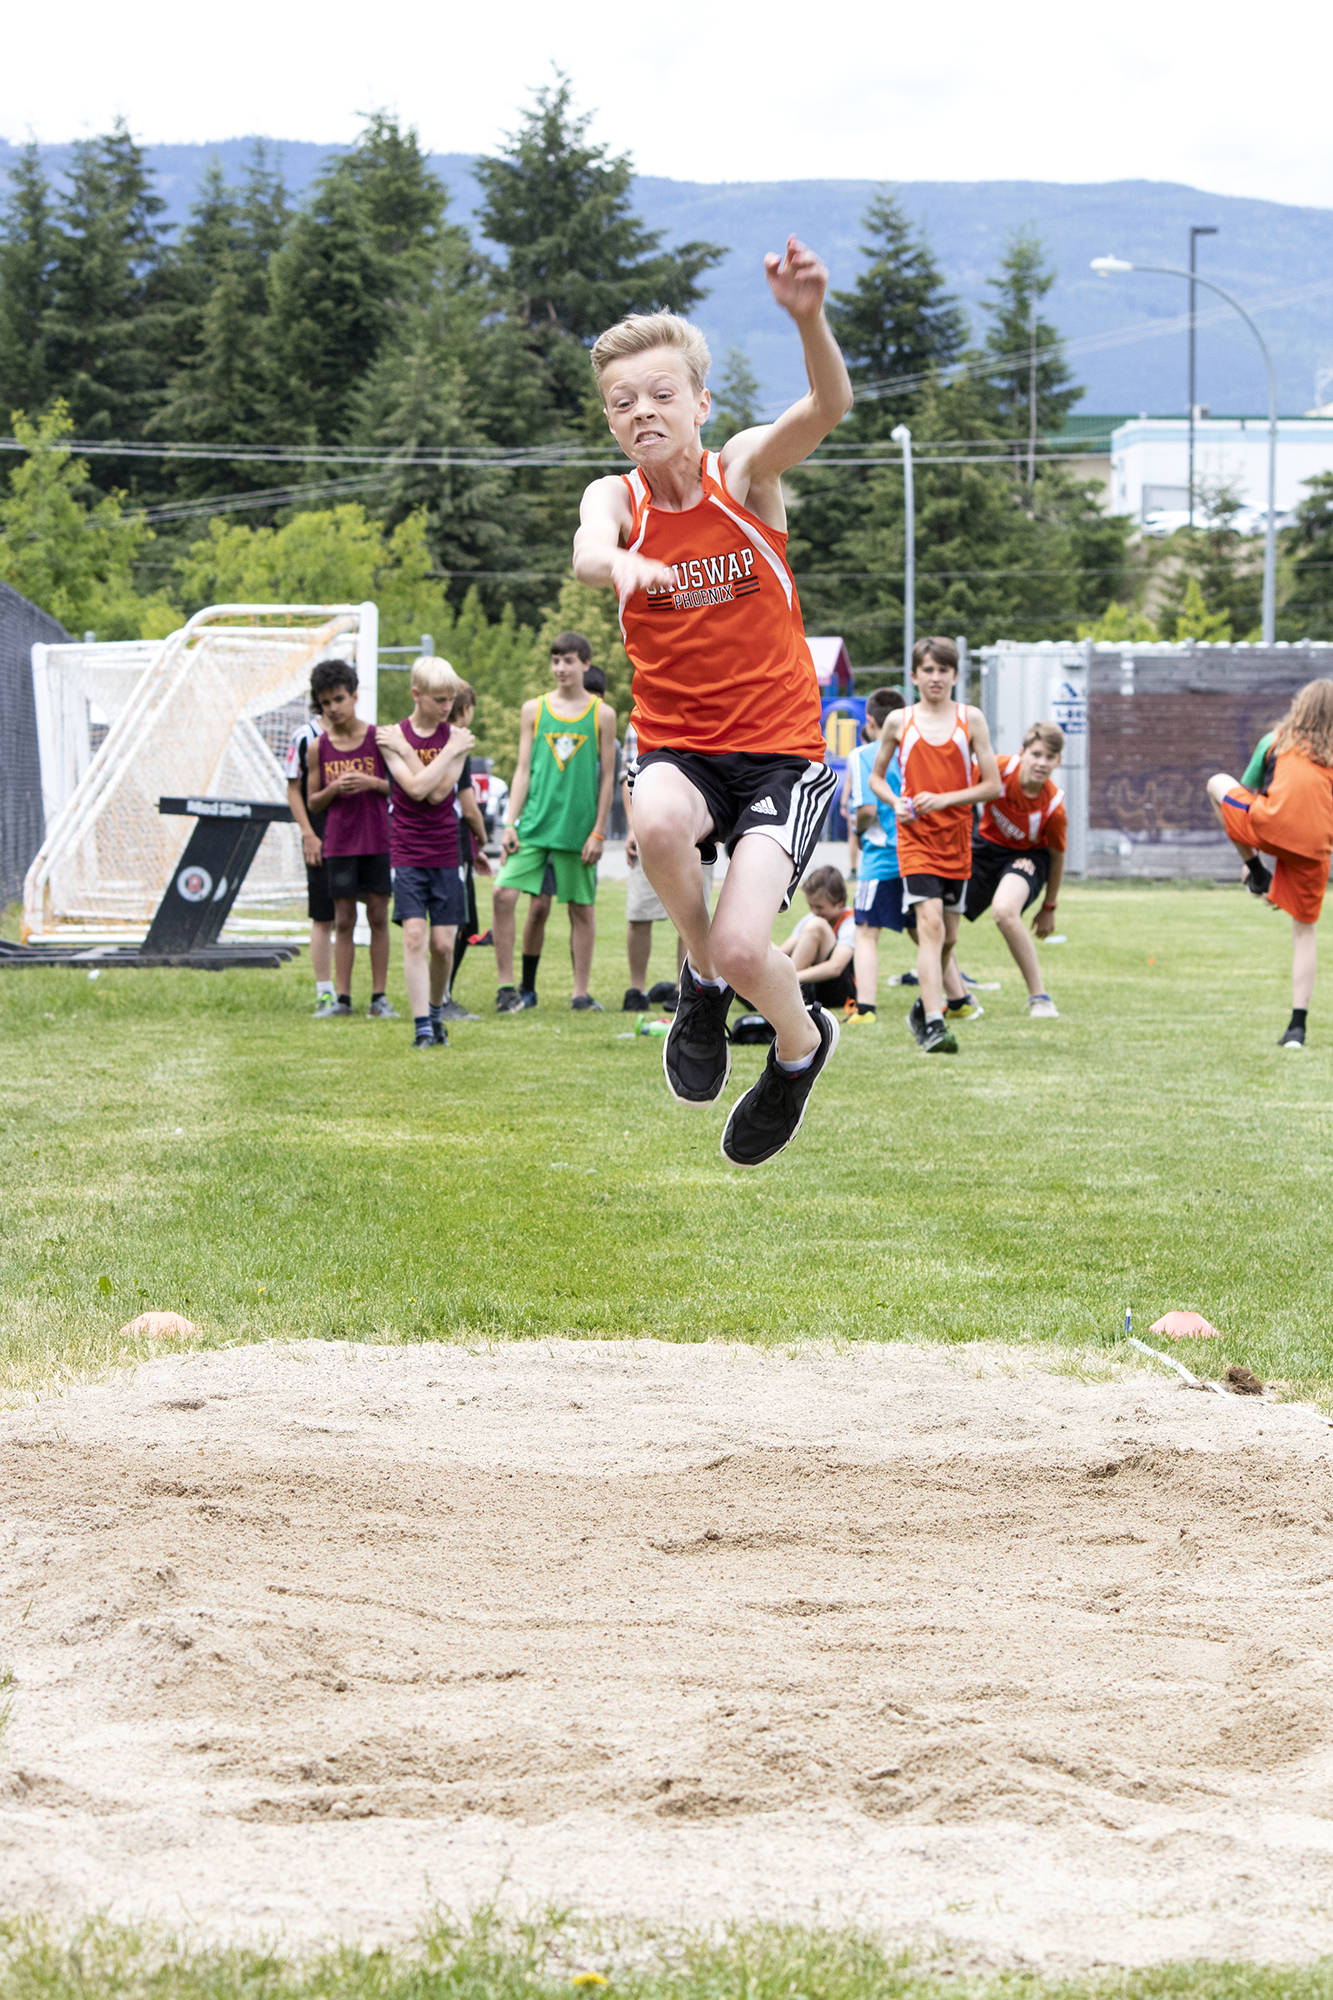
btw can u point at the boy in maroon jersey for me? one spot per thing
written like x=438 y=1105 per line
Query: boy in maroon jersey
x=349 y=782
x=429 y=897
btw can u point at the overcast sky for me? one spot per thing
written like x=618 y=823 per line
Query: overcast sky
x=1147 y=89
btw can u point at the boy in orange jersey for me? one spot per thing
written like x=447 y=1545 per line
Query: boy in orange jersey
x=936 y=740
x=726 y=700
x=1292 y=821
x=1018 y=849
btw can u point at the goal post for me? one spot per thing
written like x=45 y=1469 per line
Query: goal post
x=207 y=712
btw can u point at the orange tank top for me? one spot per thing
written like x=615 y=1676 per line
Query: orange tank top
x=940 y=843
x=720 y=659
x=1296 y=812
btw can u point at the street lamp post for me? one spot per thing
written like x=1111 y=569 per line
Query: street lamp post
x=1106 y=267
x=901 y=435
x=1197 y=229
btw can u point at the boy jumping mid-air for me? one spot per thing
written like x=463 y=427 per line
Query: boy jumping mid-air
x=726 y=702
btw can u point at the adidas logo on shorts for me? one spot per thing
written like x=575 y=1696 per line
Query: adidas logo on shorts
x=765 y=806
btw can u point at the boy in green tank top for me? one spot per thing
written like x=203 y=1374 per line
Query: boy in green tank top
x=559 y=804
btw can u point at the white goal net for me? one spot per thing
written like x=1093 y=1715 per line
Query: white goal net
x=207 y=713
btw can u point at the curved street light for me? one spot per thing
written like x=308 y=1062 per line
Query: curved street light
x=1107 y=267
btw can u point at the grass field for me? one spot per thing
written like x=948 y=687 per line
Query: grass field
x=195 y=1141
x=548 y=1960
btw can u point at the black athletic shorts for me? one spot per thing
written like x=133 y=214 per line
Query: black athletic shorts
x=786 y=798
x=991 y=863
x=919 y=888
x=318 y=895
x=831 y=992
x=353 y=877
x=434 y=893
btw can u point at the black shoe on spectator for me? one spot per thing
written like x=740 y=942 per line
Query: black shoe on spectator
x=507 y=1001
x=636 y=1001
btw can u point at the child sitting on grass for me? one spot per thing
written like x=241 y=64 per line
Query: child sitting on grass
x=823 y=944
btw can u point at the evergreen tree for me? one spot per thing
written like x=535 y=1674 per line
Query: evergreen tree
x=898 y=328
x=108 y=323
x=27 y=252
x=897 y=325
x=1017 y=338
x=1308 y=548
x=357 y=257
x=576 y=257
x=735 y=400
x=222 y=389
x=1218 y=563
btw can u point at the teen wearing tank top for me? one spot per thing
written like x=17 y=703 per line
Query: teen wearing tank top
x=940 y=739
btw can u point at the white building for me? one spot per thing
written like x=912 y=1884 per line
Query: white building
x=1150 y=464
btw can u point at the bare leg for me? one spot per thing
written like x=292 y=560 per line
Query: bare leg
x=534 y=928
x=415 y=975
x=321 y=951
x=1007 y=910
x=638 y=950
x=441 y=960
x=344 y=943
x=814 y=944
x=377 y=916
x=742 y=946
x=955 y=986
x=582 y=937
x=930 y=954
x=1218 y=787
x=865 y=964
x=503 y=925
x=670 y=819
x=1304 y=951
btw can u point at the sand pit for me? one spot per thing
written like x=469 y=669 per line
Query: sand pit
x=308 y=1639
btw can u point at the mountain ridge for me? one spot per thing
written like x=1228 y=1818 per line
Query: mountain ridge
x=1276 y=257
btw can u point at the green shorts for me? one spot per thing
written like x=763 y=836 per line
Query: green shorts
x=550 y=871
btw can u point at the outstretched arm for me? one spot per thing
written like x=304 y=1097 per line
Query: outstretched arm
x=757 y=458
x=604 y=517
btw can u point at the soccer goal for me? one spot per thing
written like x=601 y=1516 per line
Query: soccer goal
x=206 y=713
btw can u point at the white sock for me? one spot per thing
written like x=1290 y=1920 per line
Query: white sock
x=802 y=1062
x=699 y=980
x=323 y=986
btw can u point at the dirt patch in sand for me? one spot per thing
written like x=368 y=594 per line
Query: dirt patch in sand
x=308 y=1639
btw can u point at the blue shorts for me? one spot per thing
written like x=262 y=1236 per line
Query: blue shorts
x=436 y=893
x=879 y=905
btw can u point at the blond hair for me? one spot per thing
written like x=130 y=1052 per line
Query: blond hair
x=434 y=676
x=1048 y=733
x=1307 y=725
x=642 y=332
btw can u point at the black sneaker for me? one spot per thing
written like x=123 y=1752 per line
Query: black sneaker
x=696 y=1055
x=527 y=996
x=916 y=1021
x=1294 y=1038
x=636 y=1001
x=1258 y=879
x=583 y=1003
x=433 y=1037
x=939 y=1041
x=764 y=1122
x=507 y=1001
